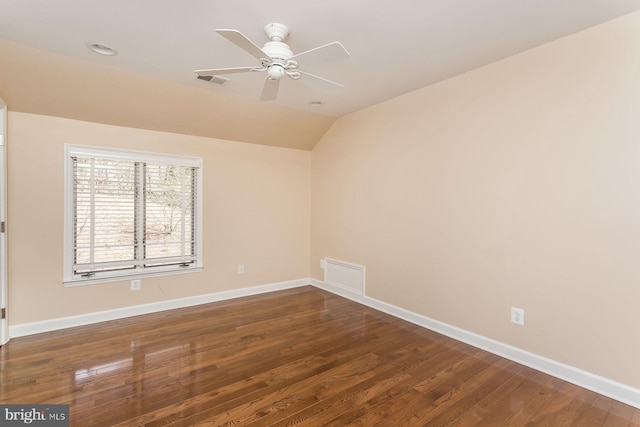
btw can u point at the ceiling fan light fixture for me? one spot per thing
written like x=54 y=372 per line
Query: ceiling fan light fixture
x=275 y=72
x=102 y=49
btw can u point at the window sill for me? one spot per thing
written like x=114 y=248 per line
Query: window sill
x=128 y=276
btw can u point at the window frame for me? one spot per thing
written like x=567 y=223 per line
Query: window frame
x=70 y=151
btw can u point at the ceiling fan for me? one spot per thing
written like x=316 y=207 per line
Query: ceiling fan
x=277 y=59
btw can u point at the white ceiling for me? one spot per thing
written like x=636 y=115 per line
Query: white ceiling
x=396 y=46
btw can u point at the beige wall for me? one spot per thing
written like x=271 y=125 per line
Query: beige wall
x=517 y=184
x=256 y=213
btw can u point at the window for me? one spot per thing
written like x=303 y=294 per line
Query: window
x=129 y=213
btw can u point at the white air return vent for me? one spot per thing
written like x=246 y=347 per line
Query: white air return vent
x=344 y=275
x=213 y=79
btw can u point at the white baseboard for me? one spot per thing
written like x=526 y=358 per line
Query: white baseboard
x=615 y=390
x=119 y=313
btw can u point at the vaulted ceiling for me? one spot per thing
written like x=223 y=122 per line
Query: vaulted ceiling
x=395 y=47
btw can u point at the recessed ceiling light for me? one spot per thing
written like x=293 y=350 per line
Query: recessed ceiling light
x=316 y=103
x=102 y=49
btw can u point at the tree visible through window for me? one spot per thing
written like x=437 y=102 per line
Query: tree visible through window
x=132 y=215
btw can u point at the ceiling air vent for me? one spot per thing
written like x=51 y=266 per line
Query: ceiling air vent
x=213 y=79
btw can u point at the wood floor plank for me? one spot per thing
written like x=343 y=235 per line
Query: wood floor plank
x=395 y=371
x=400 y=375
x=493 y=409
x=465 y=391
x=290 y=358
x=620 y=415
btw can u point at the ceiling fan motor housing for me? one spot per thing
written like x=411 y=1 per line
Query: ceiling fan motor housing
x=277 y=50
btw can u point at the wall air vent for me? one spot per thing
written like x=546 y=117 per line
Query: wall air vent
x=344 y=275
x=213 y=79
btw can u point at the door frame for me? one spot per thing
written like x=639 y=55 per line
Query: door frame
x=4 y=300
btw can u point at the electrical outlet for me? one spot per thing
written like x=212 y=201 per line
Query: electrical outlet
x=135 y=285
x=517 y=316
x=240 y=268
x=323 y=264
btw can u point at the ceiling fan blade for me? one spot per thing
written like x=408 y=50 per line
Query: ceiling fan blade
x=320 y=78
x=216 y=71
x=328 y=52
x=270 y=90
x=242 y=41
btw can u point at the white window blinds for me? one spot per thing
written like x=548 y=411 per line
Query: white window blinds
x=133 y=215
x=104 y=218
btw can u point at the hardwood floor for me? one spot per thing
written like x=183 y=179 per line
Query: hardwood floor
x=295 y=357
